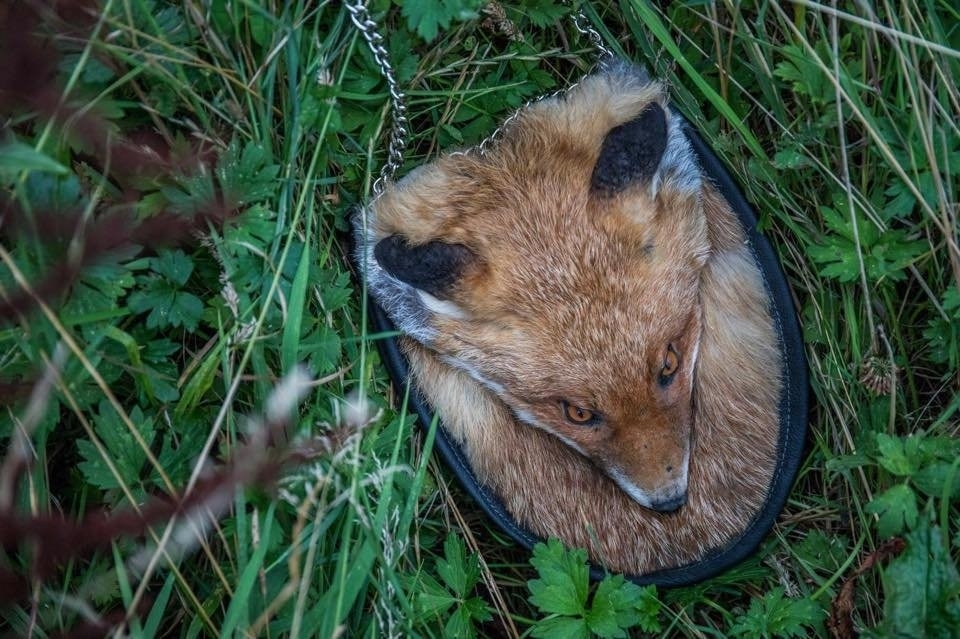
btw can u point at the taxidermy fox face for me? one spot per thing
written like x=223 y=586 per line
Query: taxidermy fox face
x=560 y=269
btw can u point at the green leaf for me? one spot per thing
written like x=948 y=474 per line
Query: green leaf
x=432 y=599
x=619 y=604
x=541 y=13
x=647 y=606
x=427 y=17
x=897 y=508
x=161 y=293
x=261 y=28
x=608 y=615
x=173 y=265
x=921 y=588
x=53 y=192
x=177 y=455
x=884 y=255
x=459 y=571
x=564 y=579
x=167 y=308
x=893 y=455
x=292 y=328
x=126 y=454
x=477 y=608
x=804 y=75
x=460 y=624
x=823 y=552
x=247 y=176
x=151 y=627
x=563 y=587
x=932 y=480
x=17 y=156
x=561 y=628
x=791 y=158
x=774 y=615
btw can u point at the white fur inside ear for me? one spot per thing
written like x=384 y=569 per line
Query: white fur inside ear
x=441 y=307
x=678 y=166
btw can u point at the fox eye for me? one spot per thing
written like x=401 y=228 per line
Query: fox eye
x=671 y=364
x=578 y=415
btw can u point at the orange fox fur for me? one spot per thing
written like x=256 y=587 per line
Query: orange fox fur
x=571 y=288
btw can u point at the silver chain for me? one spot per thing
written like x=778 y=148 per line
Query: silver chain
x=399 y=131
x=398 y=107
x=584 y=27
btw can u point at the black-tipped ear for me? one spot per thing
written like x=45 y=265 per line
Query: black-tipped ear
x=433 y=267
x=631 y=152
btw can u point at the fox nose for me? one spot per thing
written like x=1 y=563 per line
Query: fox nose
x=669 y=505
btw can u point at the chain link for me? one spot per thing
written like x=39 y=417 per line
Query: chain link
x=399 y=131
x=583 y=26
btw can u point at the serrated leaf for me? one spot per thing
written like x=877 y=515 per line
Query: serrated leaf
x=160 y=294
x=647 y=606
x=336 y=289
x=93 y=72
x=126 y=454
x=931 y=480
x=619 y=604
x=897 y=509
x=774 y=615
x=94 y=470
x=541 y=12
x=893 y=455
x=163 y=385
x=427 y=17
x=173 y=265
x=884 y=255
x=821 y=551
x=604 y=621
x=459 y=571
x=561 y=628
x=921 y=588
x=611 y=609
x=564 y=579
x=167 y=308
x=478 y=609
x=247 y=175
x=178 y=454
x=432 y=599
x=459 y=624
x=791 y=158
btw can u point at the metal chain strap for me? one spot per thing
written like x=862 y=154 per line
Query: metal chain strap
x=584 y=27
x=398 y=107
x=399 y=131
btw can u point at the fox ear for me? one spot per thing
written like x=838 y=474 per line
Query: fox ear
x=631 y=152
x=433 y=267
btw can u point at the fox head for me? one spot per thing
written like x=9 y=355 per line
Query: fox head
x=560 y=269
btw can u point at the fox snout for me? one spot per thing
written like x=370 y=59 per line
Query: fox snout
x=665 y=494
x=655 y=473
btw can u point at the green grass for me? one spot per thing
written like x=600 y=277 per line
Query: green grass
x=841 y=125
